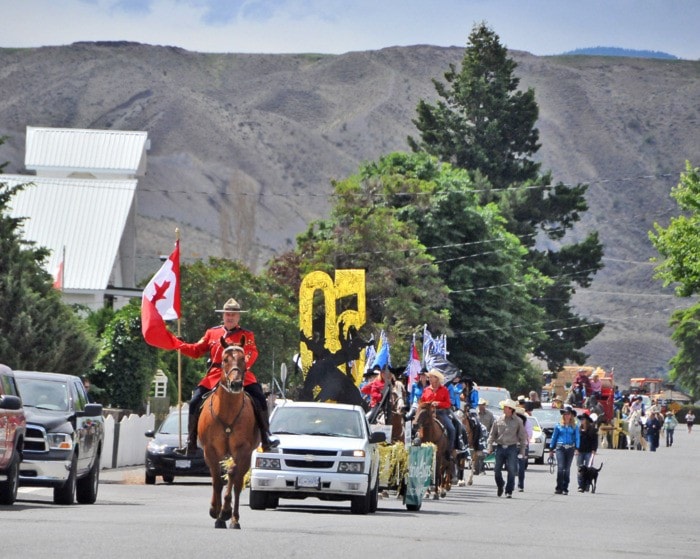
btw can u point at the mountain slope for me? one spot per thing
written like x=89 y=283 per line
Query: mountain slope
x=244 y=148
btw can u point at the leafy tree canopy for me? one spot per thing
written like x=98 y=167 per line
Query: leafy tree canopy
x=678 y=245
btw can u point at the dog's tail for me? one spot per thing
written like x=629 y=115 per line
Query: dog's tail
x=599 y=467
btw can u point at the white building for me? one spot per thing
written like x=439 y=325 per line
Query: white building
x=81 y=204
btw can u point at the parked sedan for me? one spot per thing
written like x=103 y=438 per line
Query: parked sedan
x=536 y=446
x=161 y=459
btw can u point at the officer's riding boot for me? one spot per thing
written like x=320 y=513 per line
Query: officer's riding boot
x=264 y=426
x=190 y=448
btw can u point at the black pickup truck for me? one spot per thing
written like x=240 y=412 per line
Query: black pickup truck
x=64 y=436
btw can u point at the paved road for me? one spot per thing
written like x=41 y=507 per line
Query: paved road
x=647 y=504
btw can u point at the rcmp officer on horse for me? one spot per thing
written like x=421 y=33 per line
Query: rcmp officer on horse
x=213 y=343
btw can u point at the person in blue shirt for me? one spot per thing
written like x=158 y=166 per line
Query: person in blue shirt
x=416 y=392
x=566 y=439
x=456 y=387
x=471 y=393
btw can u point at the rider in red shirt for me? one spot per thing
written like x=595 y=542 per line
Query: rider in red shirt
x=439 y=396
x=375 y=389
x=213 y=343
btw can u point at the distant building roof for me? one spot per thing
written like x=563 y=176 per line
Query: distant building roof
x=89 y=218
x=68 y=152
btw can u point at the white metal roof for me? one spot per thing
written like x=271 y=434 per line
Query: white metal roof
x=99 y=152
x=86 y=216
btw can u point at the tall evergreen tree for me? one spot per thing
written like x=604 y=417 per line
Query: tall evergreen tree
x=37 y=330
x=484 y=124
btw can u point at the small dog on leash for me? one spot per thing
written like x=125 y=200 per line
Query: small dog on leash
x=589 y=476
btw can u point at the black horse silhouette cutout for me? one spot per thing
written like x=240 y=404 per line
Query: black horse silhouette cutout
x=324 y=381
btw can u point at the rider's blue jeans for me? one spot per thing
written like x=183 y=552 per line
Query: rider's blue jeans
x=506 y=456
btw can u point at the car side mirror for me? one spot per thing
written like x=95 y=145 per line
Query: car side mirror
x=377 y=437
x=92 y=410
x=10 y=402
x=150 y=433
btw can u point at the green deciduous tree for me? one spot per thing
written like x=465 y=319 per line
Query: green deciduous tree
x=485 y=124
x=685 y=365
x=125 y=365
x=484 y=266
x=37 y=330
x=678 y=245
x=403 y=288
x=272 y=316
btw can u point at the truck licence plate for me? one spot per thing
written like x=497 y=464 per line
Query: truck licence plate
x=306 y=482
x=183 y=463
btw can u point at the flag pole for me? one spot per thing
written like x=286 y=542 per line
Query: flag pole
x=179 y=365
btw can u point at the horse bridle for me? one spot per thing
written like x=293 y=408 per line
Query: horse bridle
x=228 y=428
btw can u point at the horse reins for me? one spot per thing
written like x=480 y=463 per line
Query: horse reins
x=228 y=428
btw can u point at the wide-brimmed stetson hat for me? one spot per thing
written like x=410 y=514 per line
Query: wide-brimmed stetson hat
x=231 y=306
x=509 y=404
x=438 y=374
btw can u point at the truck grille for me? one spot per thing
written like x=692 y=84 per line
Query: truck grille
x=35 y=439
x=309 y=458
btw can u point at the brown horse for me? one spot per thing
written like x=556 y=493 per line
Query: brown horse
x=228 y=434
x=430 y=430
x=473 y=445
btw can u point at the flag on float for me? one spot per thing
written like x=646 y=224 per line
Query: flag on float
x=161 y=302
x=429 y=344
x=413 y=366
x=370 y=354
x=382 y=358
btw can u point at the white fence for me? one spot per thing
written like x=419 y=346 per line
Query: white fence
x=125 y=443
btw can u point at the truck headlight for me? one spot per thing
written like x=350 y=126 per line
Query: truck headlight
x=59 y=441
x=267 y=463
x=350 y=467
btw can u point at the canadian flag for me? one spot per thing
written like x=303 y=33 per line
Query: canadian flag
x=161 y=302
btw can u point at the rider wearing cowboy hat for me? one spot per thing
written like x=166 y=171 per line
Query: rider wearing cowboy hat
x=439 y=396
x=213 y=343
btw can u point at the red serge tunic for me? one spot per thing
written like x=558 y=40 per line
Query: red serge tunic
x=441 y=396
x=211 y=344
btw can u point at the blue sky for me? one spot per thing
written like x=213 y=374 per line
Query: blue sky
x=337 y=26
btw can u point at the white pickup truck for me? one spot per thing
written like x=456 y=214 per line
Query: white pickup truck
x=326 y=451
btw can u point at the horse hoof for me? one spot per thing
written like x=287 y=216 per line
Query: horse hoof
x=226 y=515
x=213 y=514
x=435 y=496
x=460 y=483
x=235 y=525
x=470 y=482
x=443 y=494
x=220 y=523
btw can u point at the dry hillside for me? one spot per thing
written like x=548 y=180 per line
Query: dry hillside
x=244 y=147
